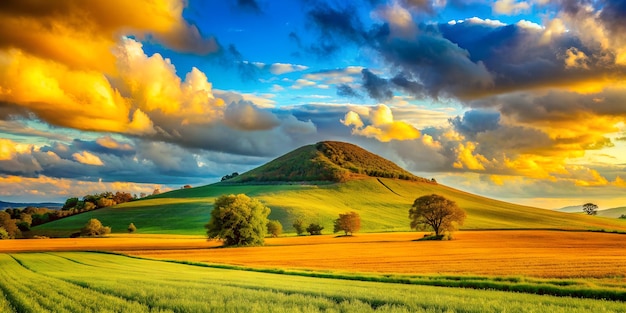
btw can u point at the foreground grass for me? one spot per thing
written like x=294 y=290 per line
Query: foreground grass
x=86 y=282
x=383 y=205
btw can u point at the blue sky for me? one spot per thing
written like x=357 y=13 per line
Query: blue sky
x=522 y=101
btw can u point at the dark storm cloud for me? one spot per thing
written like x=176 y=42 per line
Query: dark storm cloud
x=345 y=90
x=376 y=87
x=232 y=58
x=476 y=121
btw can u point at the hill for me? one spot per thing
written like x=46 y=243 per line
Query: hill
x=571 y=209
x=614 y=212
x=331 y=161
x=16 y=205
x=315 y=183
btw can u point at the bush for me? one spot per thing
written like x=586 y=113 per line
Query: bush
x=623 y=216
x=3 y=233
x=298 y=225
x=132 y=228
x=314 y=229
x=95 y=228
x=274 y=228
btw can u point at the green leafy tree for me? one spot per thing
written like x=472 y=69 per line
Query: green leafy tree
x=590 y=208
x=348 y=222
x=315 y=229
x=436 y=212
x=3 y=233
x=132 y=228
x=274 y=228
x=238 y=220
x=95 y=228
x=70 y=203
x=298 y=225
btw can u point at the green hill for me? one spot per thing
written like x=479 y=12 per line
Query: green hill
x=325 y=161
x=383 y=203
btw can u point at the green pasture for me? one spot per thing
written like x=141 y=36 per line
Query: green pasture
x=383 y=205
x=92 y=282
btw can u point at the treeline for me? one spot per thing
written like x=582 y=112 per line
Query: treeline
x=14 y=221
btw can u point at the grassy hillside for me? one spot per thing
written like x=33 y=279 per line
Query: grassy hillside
x=614 y=212
x=325 y=161
x=383 y=204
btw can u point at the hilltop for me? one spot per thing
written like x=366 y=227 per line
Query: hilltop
x=315 y=183
x=331 y=161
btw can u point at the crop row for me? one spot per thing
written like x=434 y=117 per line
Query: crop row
x=86 y=282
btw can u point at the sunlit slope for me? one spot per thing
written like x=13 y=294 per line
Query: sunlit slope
x=382 y=203
x=614 y=212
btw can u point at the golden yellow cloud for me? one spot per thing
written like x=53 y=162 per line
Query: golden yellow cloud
x=88 y=158
x=80 y=34
x=382 y=125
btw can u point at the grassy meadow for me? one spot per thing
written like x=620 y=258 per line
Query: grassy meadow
x=89 y=282
x=383 y=204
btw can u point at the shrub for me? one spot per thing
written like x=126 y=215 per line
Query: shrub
x=3 y=233
x=274 y=228
x=298 y=225
x=314 y=229
x=132 y=228
x=95 y=228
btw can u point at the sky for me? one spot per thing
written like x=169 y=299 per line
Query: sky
x=522 y=101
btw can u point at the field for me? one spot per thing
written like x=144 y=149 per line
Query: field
x=89 y=282
x=382 y=203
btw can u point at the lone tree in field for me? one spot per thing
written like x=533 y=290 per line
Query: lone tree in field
x=274 y=228
x=94 y=228
x=238 y=220
x=436 y=212
x=348 y=223
x=132 y=228
x=590 y=208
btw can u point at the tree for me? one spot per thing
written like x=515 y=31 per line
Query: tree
x=298 y=225
x=238 y=220
x=3 y=233
x=436 y=212
x=315 y=229
x=590 y=208
x=9 y=224
x=274 y=228
x=70 y=203
x=95 y=228
x=348 y=222
x=132 y=228
x=622 y=216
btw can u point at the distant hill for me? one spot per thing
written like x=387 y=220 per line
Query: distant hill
x=614 y=212
x=49 y=205
x=315 y=183
x=571 y=209
x=331 y=161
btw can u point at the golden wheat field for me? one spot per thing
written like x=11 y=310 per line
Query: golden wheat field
x=536 y=253
x=545 y=254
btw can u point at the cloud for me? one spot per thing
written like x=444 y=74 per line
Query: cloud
x=476 y=121
x=509 y=7
x=400 y=21
x=84 y=32
x=87 y=158
x=283 y=68
x=345 y=90
x=376 y=87
x=245 y=116
x=381 y=125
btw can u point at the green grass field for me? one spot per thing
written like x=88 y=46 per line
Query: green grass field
x=90 y=282
x=382 y=203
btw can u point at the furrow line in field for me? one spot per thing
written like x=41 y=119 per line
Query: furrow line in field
x=76 y=297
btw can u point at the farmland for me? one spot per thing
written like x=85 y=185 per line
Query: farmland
x=87 y=282
x=382 y=203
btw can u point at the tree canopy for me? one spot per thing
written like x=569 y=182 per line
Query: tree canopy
x=238 y=220
x=348 y=222
x=436 y=212
x=274 y=228
x=95 y=228
x=590 y=208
